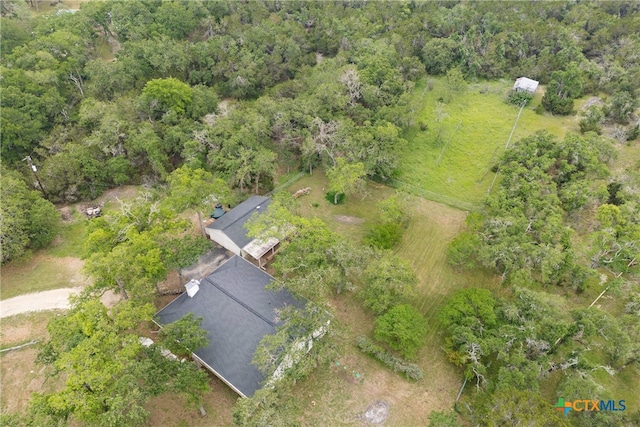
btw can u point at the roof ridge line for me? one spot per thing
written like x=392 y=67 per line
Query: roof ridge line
x=215 y=285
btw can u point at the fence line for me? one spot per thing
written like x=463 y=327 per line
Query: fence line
x=513 y=129
x=405 y=186
x=435 y=197
x=286 y=184
x=19 y=346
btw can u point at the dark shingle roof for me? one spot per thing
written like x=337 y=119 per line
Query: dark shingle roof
x=232 y=223
x=237 y=311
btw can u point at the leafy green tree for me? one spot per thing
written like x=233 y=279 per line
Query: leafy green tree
x=195 y=188
x=160 y=96
x=31 y=102
x=616 y=244
x=176 y=19
x=146 y=145
x=524 y=235
x=77 y=172
x=519 y=406
x=440 y=54
x=345 y=178
x=564 y=87
x=403 y=328
x=621 y=107
x=26 y=219
x=108 y=374
x=107 y=80
x=184 y=336
x=592 y=120
x=384 y=236
x=470 y=318
x=132 y=268
x=455 y=83
x=473 y=308
x=387 y=281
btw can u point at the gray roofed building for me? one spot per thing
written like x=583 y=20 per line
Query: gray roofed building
x=228 y=231
x=237 y=311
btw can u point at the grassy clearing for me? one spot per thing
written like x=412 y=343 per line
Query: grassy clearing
x=19 y=375
x=464 y=138
x=334 y=395
x=59 y=266
x=349 y=219
x=70 y=240
x=23 y=328
x=41 y=272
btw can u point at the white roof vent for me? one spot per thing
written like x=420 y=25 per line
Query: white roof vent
x=193 y=286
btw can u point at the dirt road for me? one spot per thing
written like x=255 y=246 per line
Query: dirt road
x=47 y=300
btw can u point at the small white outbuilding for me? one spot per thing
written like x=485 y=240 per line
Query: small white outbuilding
x=526 y=84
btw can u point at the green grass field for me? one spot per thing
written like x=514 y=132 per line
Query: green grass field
x=464 y=138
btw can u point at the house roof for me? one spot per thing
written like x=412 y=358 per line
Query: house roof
x=232 y=223
x=237 y=311
x=524 y=83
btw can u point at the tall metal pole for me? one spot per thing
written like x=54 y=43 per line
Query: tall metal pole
x=34 y=169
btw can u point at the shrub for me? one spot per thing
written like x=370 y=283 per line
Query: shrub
x=384 y=236
x=330 y=196
x=396 y=364
x=519 y=97
x=591 y=120
x=389 y=281
x=462 y=250
x=403 y=328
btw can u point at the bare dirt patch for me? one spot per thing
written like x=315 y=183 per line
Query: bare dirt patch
x=46 y=300
x=348 y=219
x=20 y=378
x=376 y=413
x=25 y=327
x=66 y=212
x=594 y=100
x=110 y=198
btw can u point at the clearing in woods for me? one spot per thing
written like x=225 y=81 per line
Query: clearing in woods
x=452 y=153
x=339 y=394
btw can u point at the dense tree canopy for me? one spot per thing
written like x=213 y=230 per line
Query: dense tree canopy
x=324 y=80
x=196 y=98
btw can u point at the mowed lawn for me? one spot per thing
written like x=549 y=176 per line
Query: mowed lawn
x=350 y=219
x=338 y=394
x=464 y=138
x=58 y=266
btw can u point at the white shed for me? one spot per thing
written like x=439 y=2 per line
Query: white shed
x=526 y=84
